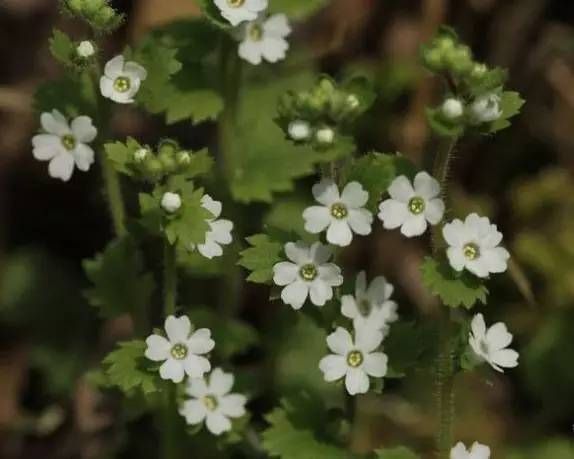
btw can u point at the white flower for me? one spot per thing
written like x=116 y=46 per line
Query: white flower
x=237 y=11
x=477 y=451
x=411 y=208
x=485 y=109
x=474 y=245
x=325 y=136
x=219 y=232
x=354 y=359
x=490 y=345
x=141 y=154
x=86 y=49
x=452 y=108
x=309 y=274
x=65 y=144
x=121 y=80
x=265 y=40
x=341 y=214
x=299 y=130
x=182 y=351
x=211 y=402
x=171 y=202
x=372 y=306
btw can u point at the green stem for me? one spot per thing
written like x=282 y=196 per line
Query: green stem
x=169 y=425
x=114 y=195
x=445 y=364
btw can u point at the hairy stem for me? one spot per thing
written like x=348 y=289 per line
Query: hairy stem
x=444 y=364
x=169 y=421
x=114 y=196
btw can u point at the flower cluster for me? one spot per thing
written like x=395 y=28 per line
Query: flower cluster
x=183 y=354
x=263 y=37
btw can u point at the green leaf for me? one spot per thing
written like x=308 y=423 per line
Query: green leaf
x=294 y=428
x=200 y=163
x=232 y=337
x=212 y=14
x=376 y=171
x=260 y=258
x=126 y=369
x=455 y=289
x=406 y=346
x=121 y=154
x=297 y=9
x=510 y=104
x=190 y=225
x=120 y=283
x=68 y=95
x=62 y=47
x=442 y=126
x=400 y=452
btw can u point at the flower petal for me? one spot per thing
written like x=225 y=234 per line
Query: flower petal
x=368 y=339
x=298 y=252
x=360 y=221
x=114 y=67
x=357 y=381
x=83 y=129
x=459 y=452
x=349 y=306
x=46 y=146
x=426 y=186
x=478 y=451
x=401 y=189
x=498 y=336
x=157 y=348
x=135 y=71
x=210 y=249
x=83 y=156
x=320 y=253
x=194 y=411
x=210 y=204
x=340 y=341
x=330 y=274
x=285 y=273
x=434 y=211
x=177 y=328
x=393 y=213
x=333 y=367
x=414 y=225
x=277 y=26
x=196 y=387
x=339 y=233
x=61 y=166
x=455 y=233
x=354 y=195
x=217 y=423
x=295 y=294
x=233 y=405
x=326 y=192
x=200 y=342
x=506 y=358
x=375 y=364
x=251 y=51
x=196 y=366
x=221 y=231
x=496 y=259
x=456 y=258
x=172 y=370
x=317 y=218
x=320 y=293
x=54 y=123
x=220 y=383
x=478 y=326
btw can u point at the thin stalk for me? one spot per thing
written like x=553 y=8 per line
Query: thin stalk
x=444 y=365
x=170 y=436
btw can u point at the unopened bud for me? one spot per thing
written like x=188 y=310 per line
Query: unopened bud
x=299 y=130
x=452 y=108
x=85 y=49
x=325 y=136
x=171 y=202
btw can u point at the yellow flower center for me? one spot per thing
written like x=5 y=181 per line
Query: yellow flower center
x=471 y=251
x=355 y=358
x=255 y=32
x=339 y=211
x=179 y=351
x=122 y=84
x=69 y=142
x=210 y=402
x=235 y=3
x=417 y=205
x=308 y=272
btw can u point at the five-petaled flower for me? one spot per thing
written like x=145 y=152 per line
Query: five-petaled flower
x=341 y=214
x=475 y=245
x=307 y=274
x=65 y=144
x=485 y=109
x=121 y=80
x=354 y=359
x=491 y=345
x=412 y=207
x=182 y=352
x=238 y=11
x=212 y=402
x=219 y=230
x=477 y=451
x=265 y=39
x=370 y=306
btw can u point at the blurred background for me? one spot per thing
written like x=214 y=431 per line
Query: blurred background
x=523 y=178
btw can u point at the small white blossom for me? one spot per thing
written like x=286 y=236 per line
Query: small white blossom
x=238 y=11
x=299 y=130
x=475 y=246
x=353 y=101
x=265 y=40
x=141 y=154
x=308 y=274
x=485 y=109
x=341 y=214
x=212 y=402
x=86 y=49
x=122 y=80
x=452 y=108
x=491 y=345
x=182 y=351
x=65 y=144
x=355 y=360
x=220 y=230
x=171 y=202
x=477 y=451
x=370 y=306
x=325 y=136
x=412 y=208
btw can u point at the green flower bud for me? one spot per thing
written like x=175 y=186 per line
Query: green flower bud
x=183 y=158
x=433 y=59
x=168 y=147
x=153 y=167
x=167 y=161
